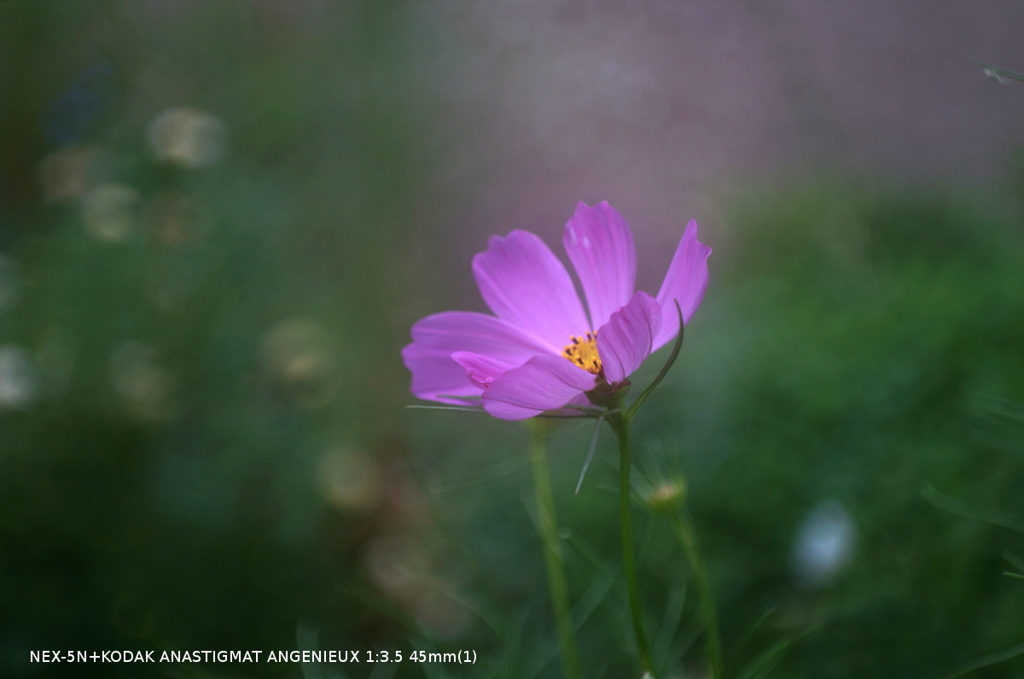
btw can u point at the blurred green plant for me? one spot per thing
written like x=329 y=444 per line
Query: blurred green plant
x=208 y=212
x=1000 y=427
x=860 y=326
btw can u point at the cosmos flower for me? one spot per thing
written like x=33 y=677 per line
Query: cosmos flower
x=541 y=351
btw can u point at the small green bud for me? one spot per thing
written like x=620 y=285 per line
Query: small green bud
x=667 y=497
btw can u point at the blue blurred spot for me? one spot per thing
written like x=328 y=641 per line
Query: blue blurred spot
x=72 y=116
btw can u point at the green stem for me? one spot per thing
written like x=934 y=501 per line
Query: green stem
x=552 y=552
x=620 y=424
x=712 y=641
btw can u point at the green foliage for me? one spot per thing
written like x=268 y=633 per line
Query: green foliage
x=865 y=335
x=209 y=325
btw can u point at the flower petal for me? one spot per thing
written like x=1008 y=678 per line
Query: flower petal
x=436 y=375
x=685 y=281
x=600 y=246
x=626 y=340
x=545 y=382
x=524 y=283
x=481 y=370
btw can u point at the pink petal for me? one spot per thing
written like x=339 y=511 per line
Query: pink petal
x=481 y=370
x=436 y=375
x=524 y=283
x=545 y=382
x=626 y=340
x=685 y=281
x=600 y=246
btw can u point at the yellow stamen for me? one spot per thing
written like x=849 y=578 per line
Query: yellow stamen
x=583 y=352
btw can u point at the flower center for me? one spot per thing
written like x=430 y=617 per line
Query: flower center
x=583 y=352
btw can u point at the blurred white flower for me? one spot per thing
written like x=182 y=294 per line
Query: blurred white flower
x=144 y=385
x=401 y=566
x=398 y=564
x=66 y=174
x=171 y=217
x=187 y=137
x=298 y=358
x=19 y=382
x=349 y=479
x=110 y=211
x=824 y=545
x=440 y=614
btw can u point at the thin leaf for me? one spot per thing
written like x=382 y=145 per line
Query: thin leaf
x=747 y=635
x=664 y=369
x=461 y=409
x=592 y=597
x=763 y=665
x=966 y=510
x=585 y=413
x=987 y=660
x=1015 y=561
x=587 y=552
x=590 y=453
x=488 y=476
x=998 y=73
x=672 y=622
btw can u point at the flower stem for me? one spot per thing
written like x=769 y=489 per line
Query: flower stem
x=620 y=424
x=712 y=642
x=552 y=552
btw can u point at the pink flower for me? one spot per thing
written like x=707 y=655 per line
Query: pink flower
x=541 y=351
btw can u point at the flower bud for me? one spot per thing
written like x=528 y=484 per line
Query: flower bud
x=667 y=497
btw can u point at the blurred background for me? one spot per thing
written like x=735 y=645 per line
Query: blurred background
x=218 y=220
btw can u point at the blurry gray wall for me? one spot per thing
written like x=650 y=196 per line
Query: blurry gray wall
x=653 y=105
